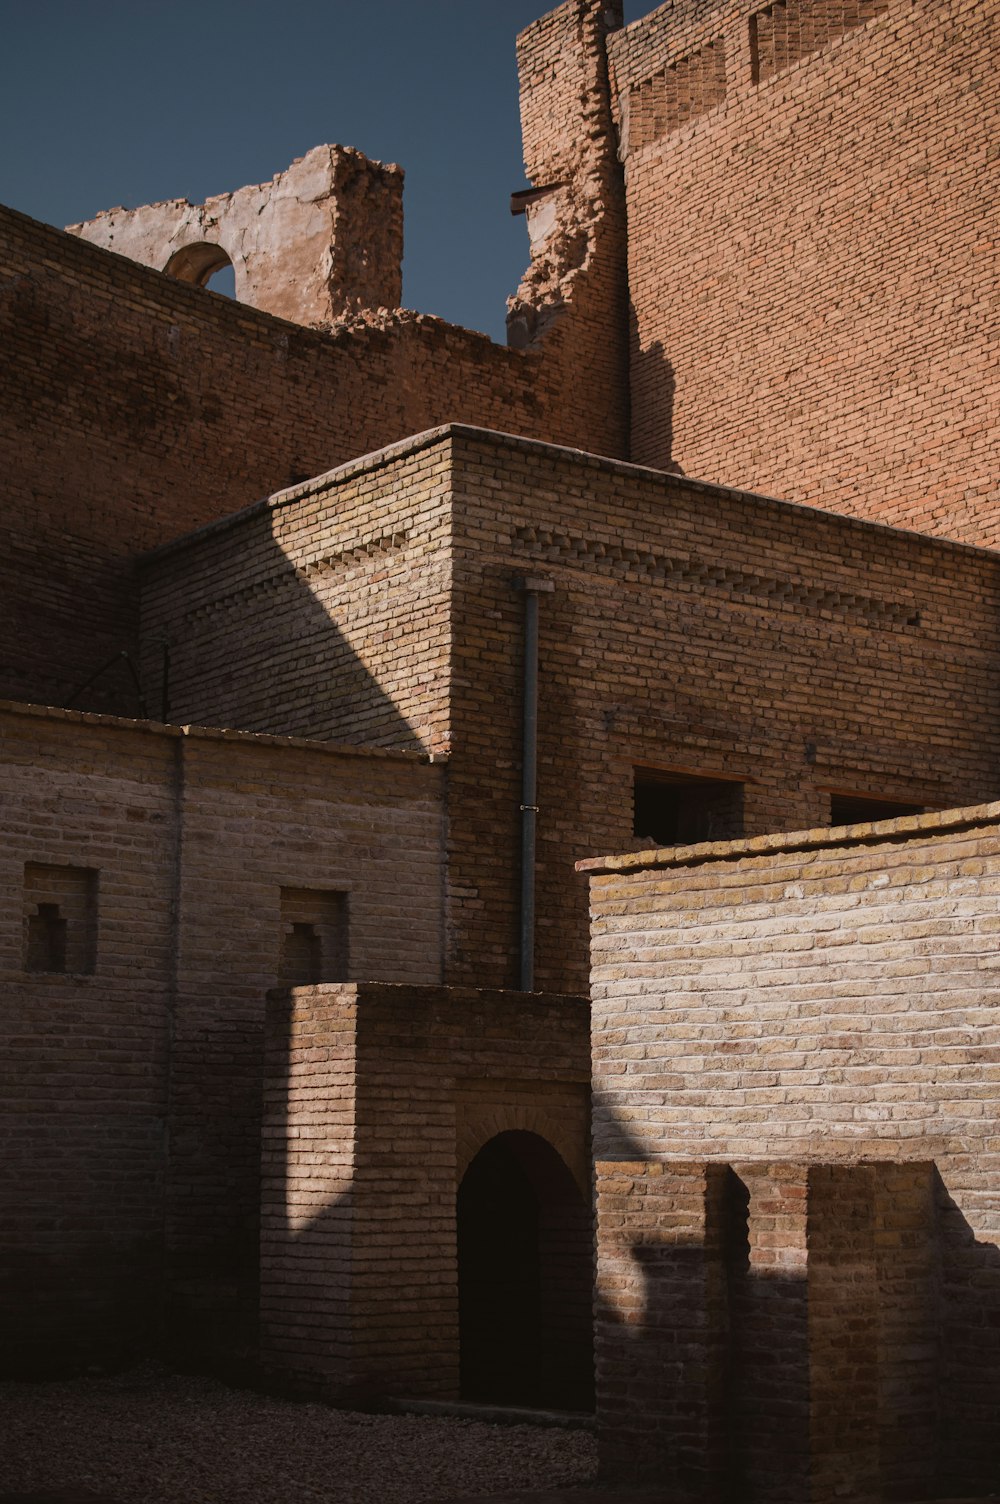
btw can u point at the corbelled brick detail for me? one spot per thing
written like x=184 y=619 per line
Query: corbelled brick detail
x=136 y=408
x=689 y=627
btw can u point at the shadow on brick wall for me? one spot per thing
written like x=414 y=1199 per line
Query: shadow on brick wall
x=236 y=633
x=385 y=1269
x=654 y=382
x=969 y=1388
x=869 y=1369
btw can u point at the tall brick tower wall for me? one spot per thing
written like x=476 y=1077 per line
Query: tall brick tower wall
x=812 y=198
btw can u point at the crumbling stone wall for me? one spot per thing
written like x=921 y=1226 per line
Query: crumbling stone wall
x=322 y=239
x=806 y=1027
x=131 y=1134
x=690 y=629
x=812 y=206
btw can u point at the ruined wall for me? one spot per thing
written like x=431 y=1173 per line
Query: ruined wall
x=377 y=1099
x=812 y=200
x=820 y=1018
x=135 y=408
x=186 y=842
x=321 y=240
x=573 y=293
x=690 y=629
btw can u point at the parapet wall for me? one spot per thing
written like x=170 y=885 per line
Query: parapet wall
x=816 y=1025
x=812 y=196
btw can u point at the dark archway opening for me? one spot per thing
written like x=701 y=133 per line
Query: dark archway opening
x=203 y=264
x=525 y=1277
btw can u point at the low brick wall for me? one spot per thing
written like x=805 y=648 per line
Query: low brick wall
x=796 y=1050
x=377 y=1100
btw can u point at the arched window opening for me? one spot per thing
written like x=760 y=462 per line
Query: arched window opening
x=525 y=1274
x=203 y=265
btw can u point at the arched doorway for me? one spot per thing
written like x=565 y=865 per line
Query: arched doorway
x=203 y=264
x=525 y=1277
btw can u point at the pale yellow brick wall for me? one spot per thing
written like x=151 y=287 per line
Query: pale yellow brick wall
x=822 y=1006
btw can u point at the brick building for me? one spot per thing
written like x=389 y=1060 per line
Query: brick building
x=331 y=650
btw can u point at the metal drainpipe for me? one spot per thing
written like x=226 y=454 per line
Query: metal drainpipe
x=531 y=587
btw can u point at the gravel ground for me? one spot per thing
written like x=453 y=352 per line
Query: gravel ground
x=151 y=1437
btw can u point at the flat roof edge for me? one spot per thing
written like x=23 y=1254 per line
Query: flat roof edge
x=413 y=443
x=30 y=709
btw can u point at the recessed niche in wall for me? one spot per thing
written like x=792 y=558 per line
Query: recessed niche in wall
x=60 y=918
x=314 y=937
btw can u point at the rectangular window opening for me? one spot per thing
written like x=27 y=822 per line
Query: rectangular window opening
x=680 y=809
x=861 y=809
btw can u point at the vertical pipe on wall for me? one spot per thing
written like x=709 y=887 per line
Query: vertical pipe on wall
x=531 y=588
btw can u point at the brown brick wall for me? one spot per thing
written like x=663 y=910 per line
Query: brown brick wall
x=690 y=628
x=830 y=1010
x=812 y=259
x=572 y=300
x=377 y=1099
x=322 y=613
x=693 y=629
x=84 y=1057
x=136 y=408
x=192 y=839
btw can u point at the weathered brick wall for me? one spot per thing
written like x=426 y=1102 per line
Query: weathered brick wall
x=812 y=196
x=307 y=1182
x=822 y=1019
x=136 y=408
x=84 y=1057
x=322 y=239
x=192 y=837
x=695 y=629
x=573 y=295
x=690 y=628
x=323 y=612
x=377 y=1100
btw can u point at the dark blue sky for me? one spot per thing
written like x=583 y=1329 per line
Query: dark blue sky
x=110 y=102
